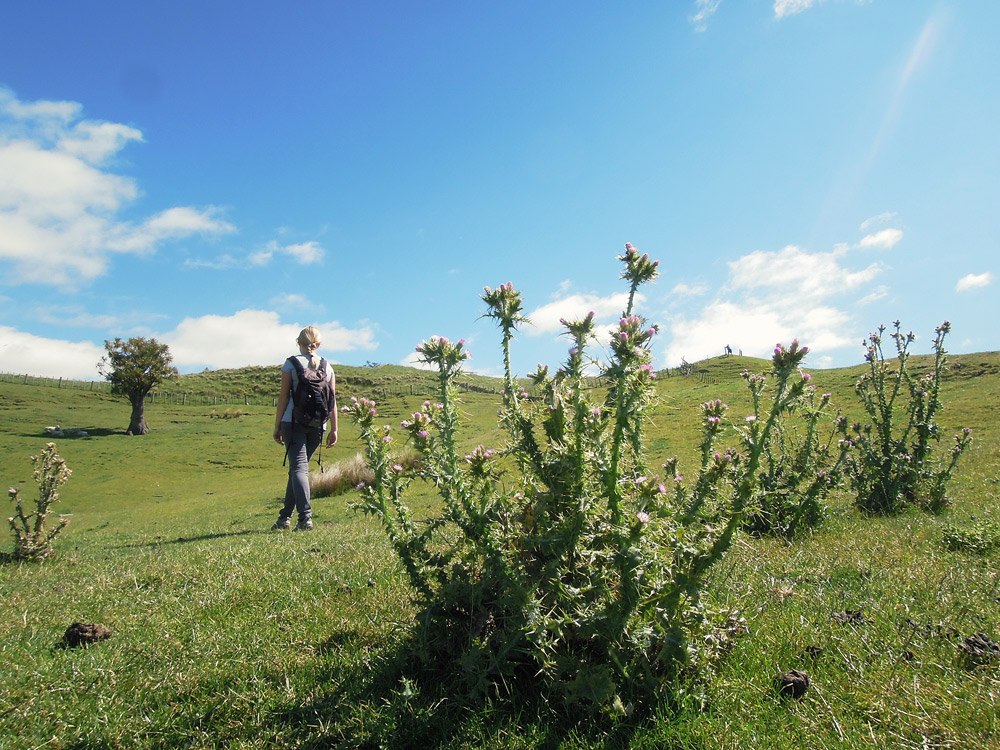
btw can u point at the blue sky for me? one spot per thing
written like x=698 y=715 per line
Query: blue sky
x=220 y=174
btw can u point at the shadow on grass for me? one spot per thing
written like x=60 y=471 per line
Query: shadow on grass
x=92 y=432
x=159 y=541
x=386 y=704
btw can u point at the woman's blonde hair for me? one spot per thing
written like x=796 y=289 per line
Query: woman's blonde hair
x=310 y=339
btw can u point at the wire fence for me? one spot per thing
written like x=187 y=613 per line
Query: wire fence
x=379 y=390
x=97 y=386
x=185 y=398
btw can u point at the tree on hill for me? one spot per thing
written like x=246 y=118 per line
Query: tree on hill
x=133 y=368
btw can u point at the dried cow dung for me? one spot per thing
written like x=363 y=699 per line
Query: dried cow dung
x=84 y=633
x=850 y=617
x=811 y=652
x=979 y=649
x=792 y=683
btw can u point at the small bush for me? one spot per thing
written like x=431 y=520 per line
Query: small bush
x=893 y=466
x=32 y=540
x=982 y=537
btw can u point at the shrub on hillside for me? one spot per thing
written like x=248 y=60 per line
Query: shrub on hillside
x=32 y=538
x=893 y=466
x=579 y=570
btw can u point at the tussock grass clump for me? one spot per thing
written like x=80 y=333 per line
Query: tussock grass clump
x=346 y=475
x=227 y=414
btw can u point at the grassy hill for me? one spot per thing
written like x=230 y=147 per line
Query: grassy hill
x=228 y=635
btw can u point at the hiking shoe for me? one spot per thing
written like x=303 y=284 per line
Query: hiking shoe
x=282 y=524
x=304 y=525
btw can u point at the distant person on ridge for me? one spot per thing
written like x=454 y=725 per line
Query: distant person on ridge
x=307 y=400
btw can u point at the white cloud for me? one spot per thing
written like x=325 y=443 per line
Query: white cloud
x=248 y=337
x=773 y=297
x=58 y=202
x=305 y=253
x=413 y=360
x=39 y=112
x=784 y=8
x=545 y=319
x=885 y=239
x=290 y=301
x=882 y=218
x=704 y=10
x=50 y=358
x=133 y=322
x=253 y=337
x=879 y=292
x=974 y=281
x=222 y=263
x=795 y=274
x=77 y=318
x=95 y=142
x=688 y=290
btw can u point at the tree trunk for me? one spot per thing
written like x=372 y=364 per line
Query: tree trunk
x=137 y=424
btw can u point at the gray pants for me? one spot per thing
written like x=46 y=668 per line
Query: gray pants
x=300 y=444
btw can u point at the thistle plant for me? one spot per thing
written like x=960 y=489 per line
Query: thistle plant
x=559 y=558
x=32 y=539
x=893 y=466
x=800 y=463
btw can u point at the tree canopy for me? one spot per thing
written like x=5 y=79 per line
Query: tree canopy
x=133 y=368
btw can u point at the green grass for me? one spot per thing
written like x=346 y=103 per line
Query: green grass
x=227 y=635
